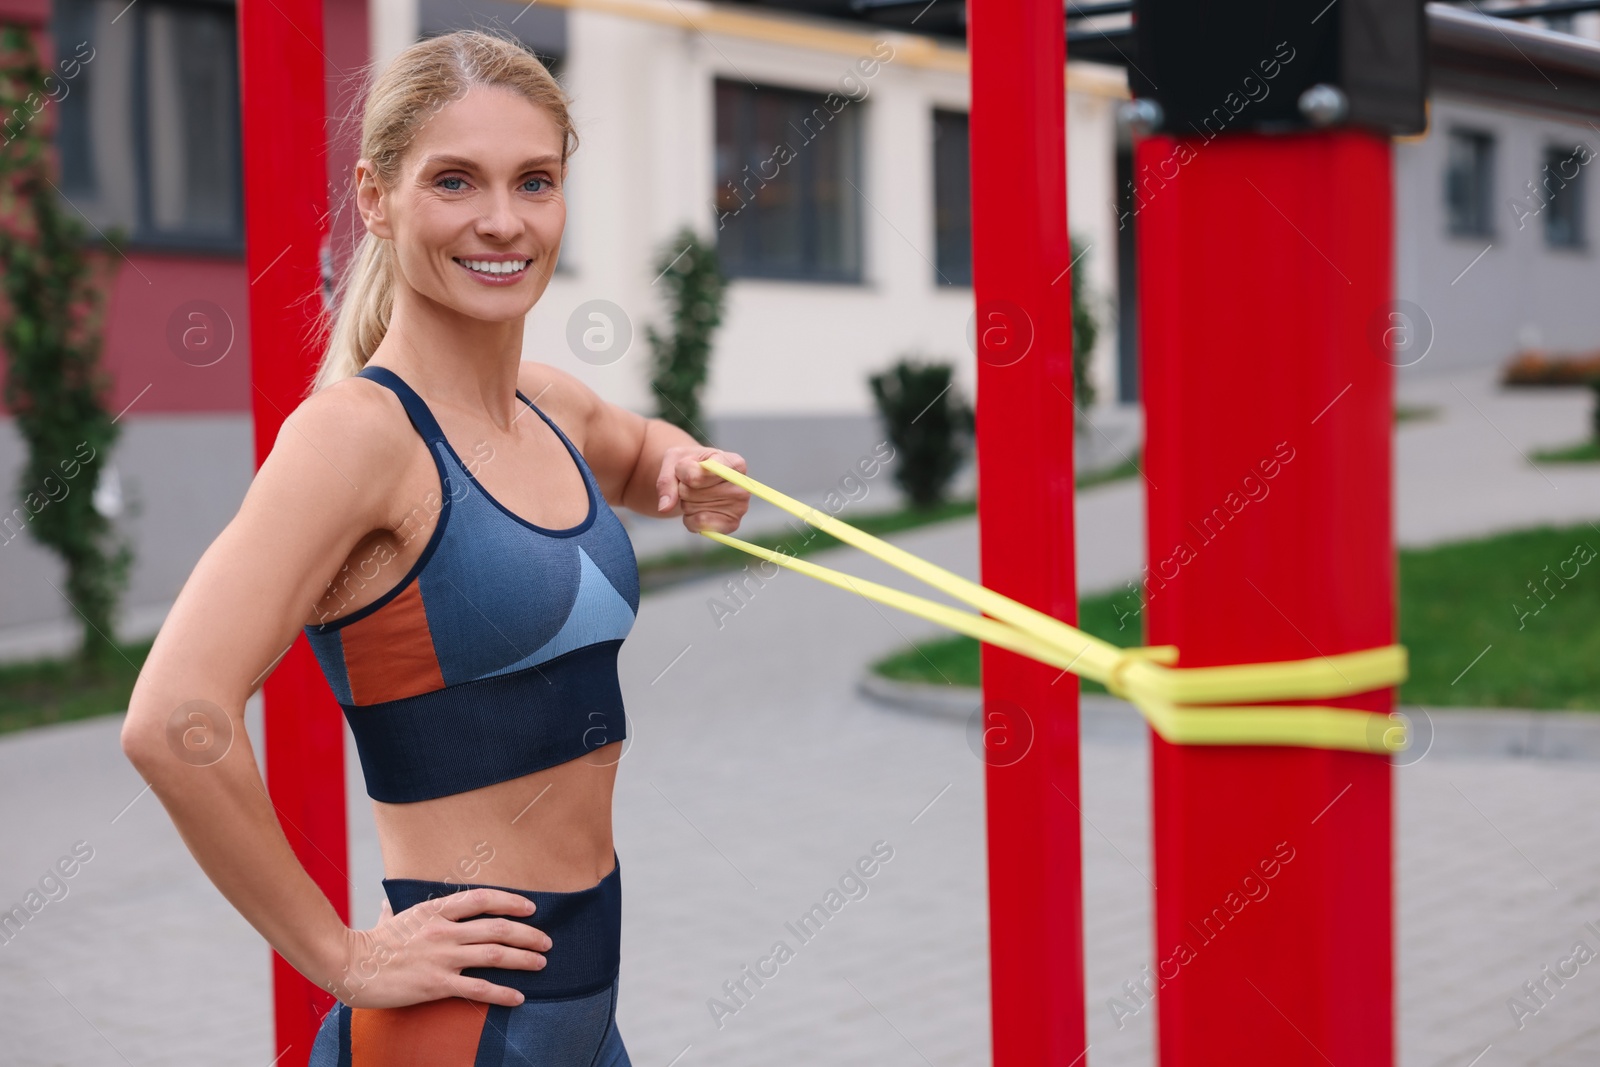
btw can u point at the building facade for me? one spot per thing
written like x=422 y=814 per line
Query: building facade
x=827 y=160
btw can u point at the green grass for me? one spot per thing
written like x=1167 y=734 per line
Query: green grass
x=1414 y=412
x=58 y=690
x=1456 y=601
x=1128 y=468
x=1586 y=452
x=953 y=660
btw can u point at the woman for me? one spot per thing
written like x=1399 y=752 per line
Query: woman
x=467 y=614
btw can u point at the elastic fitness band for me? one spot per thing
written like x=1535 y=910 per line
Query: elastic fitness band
x=1194 y=706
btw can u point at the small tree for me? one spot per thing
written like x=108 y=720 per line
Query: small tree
x=930 y=426
x=688 y=266
x=1085 y=329
x=54 y=385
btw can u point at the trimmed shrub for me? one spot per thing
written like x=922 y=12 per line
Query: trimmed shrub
x=688 y=266
x=1085 y=328
x=930 y=426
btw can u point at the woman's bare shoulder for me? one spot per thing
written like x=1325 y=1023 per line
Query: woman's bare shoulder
x=348 y=434
x=560 y=395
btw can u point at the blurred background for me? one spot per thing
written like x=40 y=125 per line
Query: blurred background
x=837 y=357
x=852 y=258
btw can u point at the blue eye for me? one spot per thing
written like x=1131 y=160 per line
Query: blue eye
x=546 y=181
x=452 y=179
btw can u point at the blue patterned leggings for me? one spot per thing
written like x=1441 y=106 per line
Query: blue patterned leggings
x=568 y=1019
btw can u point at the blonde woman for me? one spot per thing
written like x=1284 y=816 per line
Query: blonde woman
x=456 y=565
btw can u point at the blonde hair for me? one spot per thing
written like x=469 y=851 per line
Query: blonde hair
x=415 y=85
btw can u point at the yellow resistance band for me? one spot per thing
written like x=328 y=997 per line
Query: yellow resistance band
x=1191 y=707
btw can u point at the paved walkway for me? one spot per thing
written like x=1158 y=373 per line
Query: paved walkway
x=757 y=776
x=1461 y=473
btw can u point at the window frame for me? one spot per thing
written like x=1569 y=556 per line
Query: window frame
x=809 y=272
x=963 y=274
x=1572 y=194
x=141 y=233
x=1486 y=224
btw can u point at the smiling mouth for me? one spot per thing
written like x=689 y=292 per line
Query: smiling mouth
x=490 y=269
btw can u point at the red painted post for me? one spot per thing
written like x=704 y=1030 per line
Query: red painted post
x=1020 y=255
x=286 y=206
x=1264 y=262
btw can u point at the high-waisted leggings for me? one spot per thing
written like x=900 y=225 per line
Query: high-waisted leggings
x=568 y=1019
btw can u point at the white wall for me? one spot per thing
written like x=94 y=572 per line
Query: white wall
x=391 y=26
x=643 y=104
x=1093 y=91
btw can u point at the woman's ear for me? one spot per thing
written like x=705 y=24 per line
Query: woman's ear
x=369 y=200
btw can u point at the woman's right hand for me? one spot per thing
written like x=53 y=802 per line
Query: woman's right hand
x=418 y=955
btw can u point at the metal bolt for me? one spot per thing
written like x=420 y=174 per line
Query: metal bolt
x=1324 y=104
x=1142 y=116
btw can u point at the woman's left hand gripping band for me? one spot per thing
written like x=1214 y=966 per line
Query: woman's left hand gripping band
x=709 y=502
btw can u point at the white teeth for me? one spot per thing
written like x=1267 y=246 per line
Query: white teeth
x=486 y=267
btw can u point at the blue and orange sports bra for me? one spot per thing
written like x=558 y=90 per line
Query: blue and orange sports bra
x=496 y=655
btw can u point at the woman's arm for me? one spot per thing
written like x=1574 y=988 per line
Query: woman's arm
x=323 y=487
x=328 y=482
x=644 y=464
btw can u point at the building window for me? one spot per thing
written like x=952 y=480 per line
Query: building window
x=1562 y=183
x=149 y=128
x=542 y=29
x=788 y=167
x=1469 y=182
x=952 y=199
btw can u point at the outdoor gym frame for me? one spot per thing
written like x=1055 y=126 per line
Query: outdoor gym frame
x=1264 y=260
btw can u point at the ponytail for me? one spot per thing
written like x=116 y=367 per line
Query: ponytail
x=364 y=301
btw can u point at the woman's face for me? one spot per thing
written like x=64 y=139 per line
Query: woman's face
x=482 y=185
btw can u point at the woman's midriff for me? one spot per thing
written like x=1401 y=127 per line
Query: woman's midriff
x=549 y=830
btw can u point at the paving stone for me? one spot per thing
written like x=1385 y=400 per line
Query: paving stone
x=758 y=773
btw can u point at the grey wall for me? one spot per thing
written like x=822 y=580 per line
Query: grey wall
x=1522 y=291
x=544 y=29
x=182 y=477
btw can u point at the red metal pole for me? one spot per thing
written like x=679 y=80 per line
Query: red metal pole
x=1020 y=255
x=1263 y=263
x=286 y=206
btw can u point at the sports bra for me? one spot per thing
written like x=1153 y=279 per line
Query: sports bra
x=496 y=654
